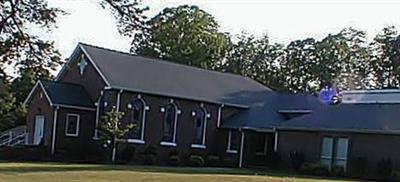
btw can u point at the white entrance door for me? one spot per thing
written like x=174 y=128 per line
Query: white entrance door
x=39 y=129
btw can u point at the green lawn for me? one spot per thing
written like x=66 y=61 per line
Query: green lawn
x=46 y=172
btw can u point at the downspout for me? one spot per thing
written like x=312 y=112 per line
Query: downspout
x=241 y=149
x=53 y=140
x=219 y=115
x=114 y=151
x=276 y=140
x=96 y=132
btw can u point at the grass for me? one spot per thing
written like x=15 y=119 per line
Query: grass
x=54 y=172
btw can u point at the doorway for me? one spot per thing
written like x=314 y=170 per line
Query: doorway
x=39 y=129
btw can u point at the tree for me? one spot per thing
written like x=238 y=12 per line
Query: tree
x=255 y=58
x=30 y=56
x=18 y=46
x=385 y=58
x=299 y=65
x=113 y=131
x=186 y=35
x=129 y=15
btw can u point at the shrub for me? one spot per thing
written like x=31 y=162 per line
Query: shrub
x=274 y=159
x=213 y=160
x=149 y=154
x=358 y=166
x=127 y=155
x=385 y=168
x=318 y=169
x=338 y=171
x=196 y=160
x=297 y=159
x=173 y=158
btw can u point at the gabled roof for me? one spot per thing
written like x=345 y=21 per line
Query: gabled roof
x=63 y=95
x=375 y=118
x=135 y=73
x=267 y=110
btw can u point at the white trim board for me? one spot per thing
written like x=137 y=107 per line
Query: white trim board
x=39 y=83
x=72 y=59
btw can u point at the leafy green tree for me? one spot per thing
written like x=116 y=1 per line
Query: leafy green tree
x=27 y=53
x=18 y=46
x=113 y=131
x=185 y=34
x=355 y=66
x=255 y=58
x=299 y=65
x=385 y=58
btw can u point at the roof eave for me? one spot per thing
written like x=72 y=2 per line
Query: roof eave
x=177 y=96
x=366 y=131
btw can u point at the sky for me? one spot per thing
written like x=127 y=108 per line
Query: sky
x=283 y=21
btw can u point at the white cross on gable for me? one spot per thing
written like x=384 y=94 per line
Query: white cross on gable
x=82 y=64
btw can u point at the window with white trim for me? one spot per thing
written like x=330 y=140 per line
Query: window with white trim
x=137 y=116
x=200 y=127
x=72 y=125
x=340 y=158
x=169 y=123
x=334 y=151
x=233 y=142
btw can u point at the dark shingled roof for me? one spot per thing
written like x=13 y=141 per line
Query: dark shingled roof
x=350 y=117
x=136 y=73
x=263 y=112
x=67 y=94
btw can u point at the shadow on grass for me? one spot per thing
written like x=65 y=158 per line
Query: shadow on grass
x=11 y=167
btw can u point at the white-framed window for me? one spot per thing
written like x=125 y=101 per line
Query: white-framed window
x=169 y=124
x=137 y=116
x=233 y=142
x=200 y=127
x=341 y=150
x=334 y=151
x=72 y=125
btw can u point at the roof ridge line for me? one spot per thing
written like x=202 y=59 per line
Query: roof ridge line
x=173 y=63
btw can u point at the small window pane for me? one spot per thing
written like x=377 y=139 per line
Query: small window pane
x=234 y=140
x=326 y=162
x=341 y=152
x=136 y=118
x=199 y=122
x=169 y=122
x=341 y=148
x=326 y=151
x=341 y=163
x=72 y=125
x=327 y=145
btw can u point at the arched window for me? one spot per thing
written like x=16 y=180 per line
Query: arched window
x=137 y=109
x=200 y=126
x=169 y=123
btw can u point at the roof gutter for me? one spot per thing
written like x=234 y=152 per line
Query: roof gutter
x=366 y=131
x=175 y=96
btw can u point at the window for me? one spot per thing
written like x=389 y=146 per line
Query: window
x=169 y=124
x=261 y=149
x=72 y=125
x=200 y=127
x=233 y=142
x=334 y=151
x=341 y=152
x=137 y=112
x=327 y=151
